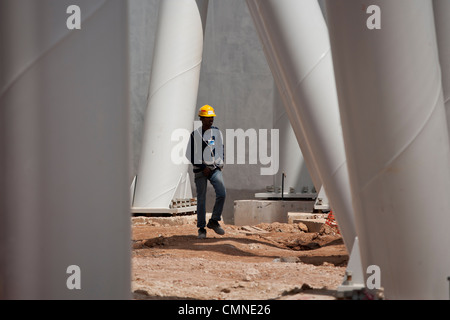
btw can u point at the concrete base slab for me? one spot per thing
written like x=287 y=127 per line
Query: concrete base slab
x=253 y=212
x=168 y=221
x=158 y=212
x=305 y=215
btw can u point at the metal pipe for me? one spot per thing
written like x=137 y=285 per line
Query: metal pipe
x=290 y=111
x=172 y=101
x=64 y=151
x=295 y=41
x=397 y=145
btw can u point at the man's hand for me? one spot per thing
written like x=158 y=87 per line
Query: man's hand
x=207 y=172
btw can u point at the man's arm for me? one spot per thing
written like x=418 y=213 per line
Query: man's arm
x=193 y=154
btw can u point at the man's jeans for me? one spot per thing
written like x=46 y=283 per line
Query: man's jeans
x=201 y=181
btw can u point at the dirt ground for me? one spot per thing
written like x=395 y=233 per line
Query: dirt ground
x=266 y=261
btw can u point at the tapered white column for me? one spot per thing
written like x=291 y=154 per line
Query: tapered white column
x=172 y=102
x=64 y=165
x=295 y=40
x=292 y=161
x=395 y=131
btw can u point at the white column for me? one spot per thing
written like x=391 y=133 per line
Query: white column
x=295 y=40
x=392 y=110
x=171 y=103
x=64 y=165
x=291 y=157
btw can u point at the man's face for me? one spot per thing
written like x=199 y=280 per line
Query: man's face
x=207 y=122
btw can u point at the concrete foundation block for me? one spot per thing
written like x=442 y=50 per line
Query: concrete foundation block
x=313 y=225
x=253 y=212
x=314 y=221
x=305 y=215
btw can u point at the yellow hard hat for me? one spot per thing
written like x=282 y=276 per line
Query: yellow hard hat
x=206 y=111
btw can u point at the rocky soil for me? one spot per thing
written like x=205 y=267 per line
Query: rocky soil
x=266 y=261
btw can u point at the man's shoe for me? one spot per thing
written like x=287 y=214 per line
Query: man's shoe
x=213 y=224
x=201 y=233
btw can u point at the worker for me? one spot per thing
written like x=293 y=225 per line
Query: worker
x=206 y=153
